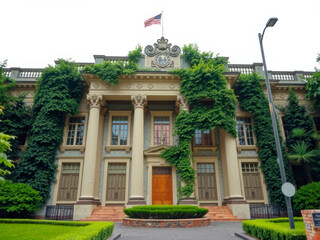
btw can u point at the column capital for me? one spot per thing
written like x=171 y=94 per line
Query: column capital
x=139 y=101
x=182 y=103
x=94 y=100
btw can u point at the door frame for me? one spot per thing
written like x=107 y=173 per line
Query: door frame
x=160 y=162
x=108 y=160
x=214 y=160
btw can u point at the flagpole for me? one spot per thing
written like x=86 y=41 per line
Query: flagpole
x=162 y=23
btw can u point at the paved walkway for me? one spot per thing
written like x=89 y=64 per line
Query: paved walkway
x=217 y=231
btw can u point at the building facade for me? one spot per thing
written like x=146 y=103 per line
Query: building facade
x=110 y=154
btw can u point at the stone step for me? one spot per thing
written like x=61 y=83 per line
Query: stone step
x=221 y=214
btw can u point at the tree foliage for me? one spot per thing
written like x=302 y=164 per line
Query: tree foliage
x=59 y=91
x=313 y=87
x=16 y=118
x=307 y=197
x=253 y=100
x=296 y=117
x=18 y=198
x=212 y=105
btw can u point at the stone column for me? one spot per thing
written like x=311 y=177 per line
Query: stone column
x=183 y=105
x=235 y=199
x=136 y=196
x=87 y=200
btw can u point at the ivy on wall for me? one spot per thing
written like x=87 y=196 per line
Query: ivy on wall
x=110 y=71
x=253 y=100
x=59 y=91
x=212 y=105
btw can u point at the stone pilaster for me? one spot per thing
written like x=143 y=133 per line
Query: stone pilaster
x=234 y=199
x=137 y=197
x=87 y=196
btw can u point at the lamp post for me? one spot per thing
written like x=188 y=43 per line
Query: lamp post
x=271 y=22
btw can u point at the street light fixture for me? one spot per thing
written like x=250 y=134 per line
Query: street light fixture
x=271 y=22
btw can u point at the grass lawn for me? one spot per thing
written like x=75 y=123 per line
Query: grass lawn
x=297 y=224
x=22 y=231
x=26 y=229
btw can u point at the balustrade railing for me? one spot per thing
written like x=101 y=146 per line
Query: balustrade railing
x=242 y=68
x=283 y=76
x=30 y=73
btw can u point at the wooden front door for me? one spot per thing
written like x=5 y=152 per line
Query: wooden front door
x=162 y=186
x=116 y=182
x=207 y=186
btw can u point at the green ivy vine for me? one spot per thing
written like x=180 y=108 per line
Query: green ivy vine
x=211 y=103
x=253 y=100
x=110 y=71
x=59 y=91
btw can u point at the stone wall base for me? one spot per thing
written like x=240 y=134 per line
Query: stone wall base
x=240 y=210
x=166 y=223
x=81 y=212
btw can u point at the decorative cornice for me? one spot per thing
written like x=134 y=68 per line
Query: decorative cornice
x=138 y=101
x=94 y=100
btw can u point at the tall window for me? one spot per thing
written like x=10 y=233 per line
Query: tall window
x=285 y=127
x=244 y=129
x=317 y=123
x=69 y=181
x=119 y=130
x=203 y=138
x=252 y=181
x=161 y=131
x=75 y=131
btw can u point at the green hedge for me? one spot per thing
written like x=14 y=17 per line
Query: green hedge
x=307 y=197
x=86 y=230
x=165 y=212
x=272 y=229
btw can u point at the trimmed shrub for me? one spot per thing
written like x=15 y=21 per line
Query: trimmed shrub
x=307 y=197
x=272 y=229
x=86 y=230
x=165 y=212
x=18 y=198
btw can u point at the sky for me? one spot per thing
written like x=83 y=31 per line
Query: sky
x=34 y=33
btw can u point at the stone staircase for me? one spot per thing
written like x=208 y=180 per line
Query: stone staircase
x=221 y=214
x=112 y=214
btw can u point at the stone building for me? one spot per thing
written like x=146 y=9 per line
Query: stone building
x=110 y=155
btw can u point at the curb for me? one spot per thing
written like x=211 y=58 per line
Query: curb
x=115 y=236
x=244 y=236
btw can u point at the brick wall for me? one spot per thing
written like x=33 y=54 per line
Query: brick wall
x=312 y=233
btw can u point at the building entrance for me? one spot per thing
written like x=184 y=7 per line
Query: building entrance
x=162 y=186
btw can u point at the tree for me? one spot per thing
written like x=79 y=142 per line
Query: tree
x=313 y=87
x=4 y=146
x=16 y=118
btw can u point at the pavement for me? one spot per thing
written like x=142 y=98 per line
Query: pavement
x=216 y=231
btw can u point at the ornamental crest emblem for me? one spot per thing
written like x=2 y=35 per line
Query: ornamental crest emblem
x=162 y=53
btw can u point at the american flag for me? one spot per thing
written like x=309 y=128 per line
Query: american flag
x=153 y=20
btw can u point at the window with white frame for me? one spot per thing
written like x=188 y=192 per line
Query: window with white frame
x=119 y=130
x=245 y=131
x=76 y=128
x=161 y=128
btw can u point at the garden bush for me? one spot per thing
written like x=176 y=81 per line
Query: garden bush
x=18 y=198
x=307 y=197
x=85 y=230
x=165 y=212
x=274 y=229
